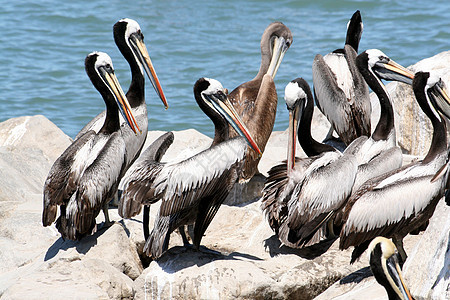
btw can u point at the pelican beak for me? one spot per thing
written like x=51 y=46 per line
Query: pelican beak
x=141 y=53
x=395 y=274
x=394 y=71
x=292 y=138
x=440 y=98
x=280 y=46
x=121 y=100
x=221 y=103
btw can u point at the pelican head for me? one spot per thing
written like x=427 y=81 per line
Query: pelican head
x=280 y=38
x=438 y=94
x=384 y=67
x=384 y=263
x=130 y=31
x=215 y=97
x=100 y=70
x=296 y=98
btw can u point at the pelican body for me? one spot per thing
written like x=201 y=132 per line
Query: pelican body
x=85 y=177
x=130 y=41
x=301 y=195
x=401 y=201
x=385 y=264
x=340 y=91
x=192 y=190
x=256 y=100
x=378 y=153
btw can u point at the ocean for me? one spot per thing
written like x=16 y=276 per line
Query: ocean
x=43 y=45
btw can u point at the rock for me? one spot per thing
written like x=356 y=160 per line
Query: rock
x=77 y=278
x=28 y=147
x=250 y=263
x=413 y=129
x=427 y=269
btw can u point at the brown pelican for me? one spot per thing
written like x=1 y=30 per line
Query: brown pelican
x=85 y=177
x=396 y=203
x=192 y=190
x=301 y=194
x=379 y=153
x=340 y=91
x=130 y=41
x=256 y=100
x=385 y=265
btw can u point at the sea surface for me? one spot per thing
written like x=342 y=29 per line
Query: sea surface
x=43 y=45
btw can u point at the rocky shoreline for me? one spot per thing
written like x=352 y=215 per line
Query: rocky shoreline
x=242 y=258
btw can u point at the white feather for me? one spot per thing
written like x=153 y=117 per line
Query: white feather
x=292 y=93
x=176 y=178
x=328 y=182
x=339 y=66
x=401 y=195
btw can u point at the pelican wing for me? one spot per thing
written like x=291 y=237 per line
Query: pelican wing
x=384 y=205
x=99 y=182
x=65 y=175
x=361 y=105
x=384 y=162
x=278 y=190
x=181 y=184
x=328 y=182
x=138 y=179
x=330 y=97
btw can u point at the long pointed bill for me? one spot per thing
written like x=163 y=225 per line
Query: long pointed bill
x=226 y=109
x=279 y=49
x=397 y=72
x=292 y=138
x=122 y=102
x=396 y=275
x=441 y=99
x=144 y=57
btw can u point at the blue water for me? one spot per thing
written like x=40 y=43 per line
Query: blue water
x=43 y=45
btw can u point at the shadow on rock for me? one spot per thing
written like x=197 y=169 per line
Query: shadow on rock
x=275 y=248
x=82 y=246
x=357 y=277
x=180 y=257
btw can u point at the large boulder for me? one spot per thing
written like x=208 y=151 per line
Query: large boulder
x=242 y=258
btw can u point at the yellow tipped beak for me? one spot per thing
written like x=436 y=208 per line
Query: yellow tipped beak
x=238 y=125
x=122 y=102
x=292 y=138
x=397 y=68
x=279 y=49
x=150 y=70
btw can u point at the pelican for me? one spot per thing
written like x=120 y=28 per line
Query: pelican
x=130 y=41
x=379 y=153
x=300 y=195
x=401 y=201
x=192 y=190
x=256 y=100
x=340 y=91
x=85 y=177
x=385 y=265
